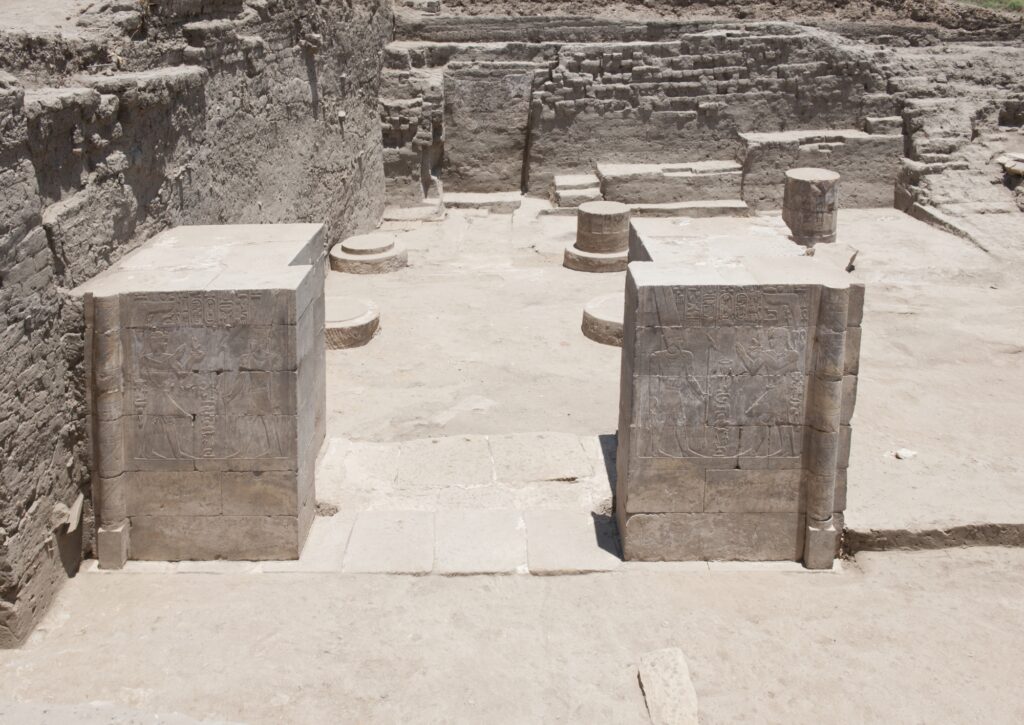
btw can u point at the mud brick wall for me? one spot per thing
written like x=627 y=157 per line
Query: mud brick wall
x=687 y=99
x=867 y=163
x=220 y=113
x=619 y=97
x=736 y=399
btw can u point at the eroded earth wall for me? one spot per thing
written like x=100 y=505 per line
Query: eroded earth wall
x=188 y=112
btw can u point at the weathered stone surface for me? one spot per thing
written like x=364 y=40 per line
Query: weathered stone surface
x=710 y=536
x=668 y=690
x=181 y=538
x=602 y=227
x=391 y=542
x=112 y=544
x=570 y=542
x=480 y=542
x=602 y=319
x=350 y=322
x=582 y=261
x=486 y=113
x=810 y=205
x=753 y=491
x=221 y=389
x=731 y=402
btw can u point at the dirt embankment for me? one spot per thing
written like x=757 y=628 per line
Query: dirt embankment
x=943 y=13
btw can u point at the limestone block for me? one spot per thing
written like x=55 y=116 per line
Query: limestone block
x=664 y=485
x=582 y=261
x=668 y=690
x=112 y=545
x=350 y=322
x=112 y=495
x=810 y=203
x=208 y=356
x=602 y=319
x=170 y=494
x=756 y=491
x=851 y=361
x=183 y=538
x=731 y=407
x=714 y=536
x=602 y=227
x=821 y=545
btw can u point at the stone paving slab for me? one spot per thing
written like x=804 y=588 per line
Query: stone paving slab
x=325 y=547
x=480 y=542
x=570 y=542
x=391 y=542
x=526 y=457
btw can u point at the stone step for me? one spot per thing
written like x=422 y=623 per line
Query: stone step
x=349 y=322
x=572 y=198
x=499 y=202
x=374 y=253
x=693 y=209
x=602 y=318
x=673 y=182
x=576 y=181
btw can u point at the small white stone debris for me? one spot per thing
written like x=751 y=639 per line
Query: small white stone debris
x=667 y=687
x=905 y=454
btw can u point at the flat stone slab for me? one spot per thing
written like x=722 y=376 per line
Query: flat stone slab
x=325 y=547
x=350 y=322
x=668 y=689
x=570 y=542
x=390 y=260
x=480 y=542
x=576 y=181
x=372 y=243
x=602 y=318
x=580 y=261
x=712 y=208
x=528 y=457
x=391 y=542
x=501 y=202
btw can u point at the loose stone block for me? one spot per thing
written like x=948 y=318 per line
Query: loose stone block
x=809 y=205
x=112 y=545
x=208 y=356
x=668 y=690
x=731 y=407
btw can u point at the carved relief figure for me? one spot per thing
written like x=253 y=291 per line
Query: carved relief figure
x=162 y=381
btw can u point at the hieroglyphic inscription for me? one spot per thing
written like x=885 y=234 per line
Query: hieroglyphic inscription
x=732 y=381
x=196 y=309
x=728 y=306
x=182 y=408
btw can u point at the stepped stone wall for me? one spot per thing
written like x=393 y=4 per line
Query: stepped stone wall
x=191 y=112
x=685 y=97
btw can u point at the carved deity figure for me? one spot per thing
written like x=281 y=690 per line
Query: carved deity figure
x=677 y=400
x=163 y=375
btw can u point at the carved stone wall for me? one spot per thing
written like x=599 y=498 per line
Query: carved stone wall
x=737 y=391
x=207 y=396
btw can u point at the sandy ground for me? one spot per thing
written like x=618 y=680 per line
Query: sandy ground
x=480 y=335
x=898 y=637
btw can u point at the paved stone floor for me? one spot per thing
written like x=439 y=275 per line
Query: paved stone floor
x=893 y=637
x=481 y=337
